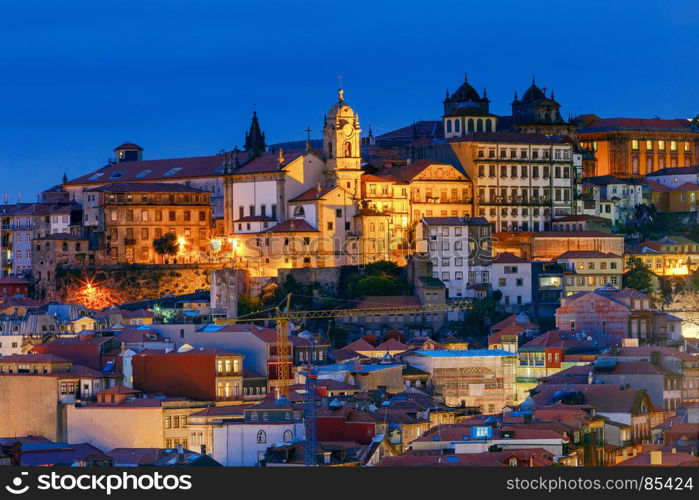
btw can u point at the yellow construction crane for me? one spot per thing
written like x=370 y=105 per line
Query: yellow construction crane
x=282 y=316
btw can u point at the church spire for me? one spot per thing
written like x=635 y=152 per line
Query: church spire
x=255 y=139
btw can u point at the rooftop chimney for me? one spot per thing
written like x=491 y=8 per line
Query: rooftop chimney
x=656 y=458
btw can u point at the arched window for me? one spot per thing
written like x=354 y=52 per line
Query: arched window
x=347 y=149
x=470 y=125
x=299 y=212
x=489 y=125
x=261 y=437
x=479 y=125
x=448 y=126
x=288 y=436
x=457 y=126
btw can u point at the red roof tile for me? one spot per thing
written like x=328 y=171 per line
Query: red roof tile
x=609 y=124
x=313 y=194
x=145 y=187
x=293 y=226
x=586 y=254
x=509 y=258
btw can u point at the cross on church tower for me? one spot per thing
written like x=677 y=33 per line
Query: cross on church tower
x=308 y=138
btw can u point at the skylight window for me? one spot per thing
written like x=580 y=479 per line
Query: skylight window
x=96 y=176
x=116 y=175
x=172 y=172
x=144 y=173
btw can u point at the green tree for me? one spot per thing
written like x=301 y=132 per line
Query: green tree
x=479 y=318
x=382 y=268
x=166 y=244
x=247 y=304
x=638 y=276
x=375 y=285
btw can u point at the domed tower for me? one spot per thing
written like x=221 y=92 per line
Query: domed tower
x=465 y=112
x=341 y=133
x=537 y=113
x=466 y=97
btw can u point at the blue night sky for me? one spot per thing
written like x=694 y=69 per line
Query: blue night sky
x=180 y=77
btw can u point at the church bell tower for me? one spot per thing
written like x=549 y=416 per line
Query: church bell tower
x=341 y=147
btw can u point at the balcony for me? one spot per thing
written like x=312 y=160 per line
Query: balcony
x=17 y=227
x=517 y=201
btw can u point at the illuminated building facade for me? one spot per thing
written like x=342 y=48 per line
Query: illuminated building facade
x=668 y=256
x=131 y=216
x=407 y=193
x=634 y=147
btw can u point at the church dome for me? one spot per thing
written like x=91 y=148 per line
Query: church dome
x=533 y=93
x=465 y=93
x=341 y=108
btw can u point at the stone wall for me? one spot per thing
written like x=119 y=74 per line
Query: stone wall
x=327 y=278
x=132 y=283
x=29 y=406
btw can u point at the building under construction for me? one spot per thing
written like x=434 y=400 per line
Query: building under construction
x=480 y=378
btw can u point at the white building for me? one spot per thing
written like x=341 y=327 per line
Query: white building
x=523 y=180
x=623 y=194
x=675 y=176
x=460 y=251
x=244 y=443
x=512 y=275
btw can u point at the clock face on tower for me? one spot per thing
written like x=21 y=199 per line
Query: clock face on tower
x=347 y=130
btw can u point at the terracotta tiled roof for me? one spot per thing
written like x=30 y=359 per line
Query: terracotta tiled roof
x=603 y=397
x=313 y=194
x=694 y=169
x=33 y=358
x=512 y=320
x=128 y=145
x=509 y=258
x=145 y=187
x=120 y=389
x=536 y=457
x=427 y=128
x=669 y=459
x=586 y=254
x=293 y=226
x=360 y=345
x=407 y=173
x=391 y=345
x=640 y=124
x=647 y=350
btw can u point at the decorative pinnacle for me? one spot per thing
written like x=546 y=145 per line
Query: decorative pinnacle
x=281 y=156
x=340 y=96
